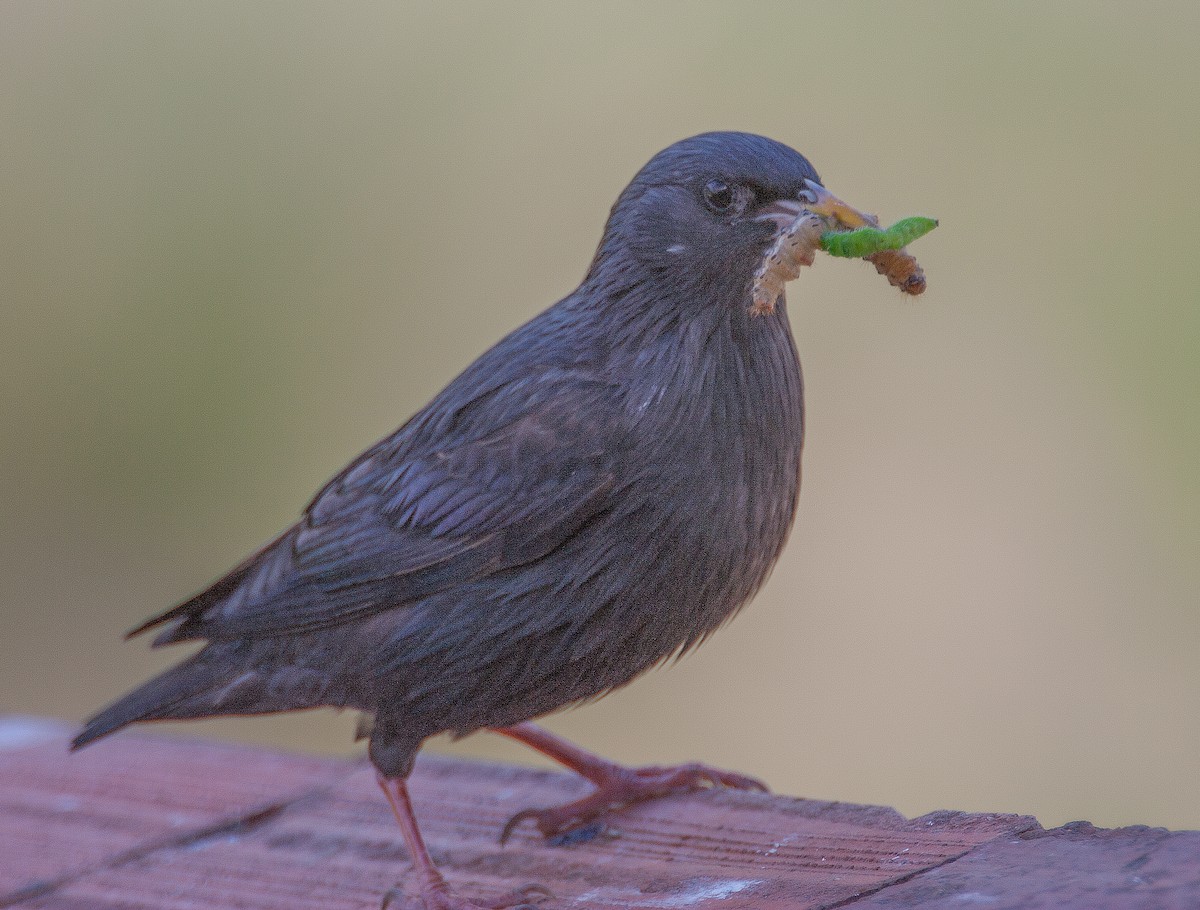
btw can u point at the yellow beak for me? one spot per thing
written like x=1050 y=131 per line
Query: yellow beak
x=829 y=206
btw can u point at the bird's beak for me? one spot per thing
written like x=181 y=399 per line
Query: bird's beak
x=828 y=205
x=819 y=201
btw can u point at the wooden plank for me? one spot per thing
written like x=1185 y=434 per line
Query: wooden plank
x=62 y=814
x=1076 y=865
x=149 y=822
x=144 y=822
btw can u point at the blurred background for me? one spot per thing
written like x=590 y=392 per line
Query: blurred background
x=240 y=242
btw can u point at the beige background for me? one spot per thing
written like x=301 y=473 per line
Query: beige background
x=239 y=242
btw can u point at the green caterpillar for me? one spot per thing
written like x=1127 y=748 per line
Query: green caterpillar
x=865 y=241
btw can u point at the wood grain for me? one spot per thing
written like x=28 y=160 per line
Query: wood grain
x=145 y=821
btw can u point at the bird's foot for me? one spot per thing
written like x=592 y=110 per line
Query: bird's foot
x=618 y=787
x=436 y=894
x=426 y=888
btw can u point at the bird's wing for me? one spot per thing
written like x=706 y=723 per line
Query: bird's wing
x=396 y=527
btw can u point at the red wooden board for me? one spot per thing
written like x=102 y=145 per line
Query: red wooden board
x=144 y=821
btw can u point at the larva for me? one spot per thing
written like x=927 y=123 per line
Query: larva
x=866 y=241
x=900 y=269
x=793 y=249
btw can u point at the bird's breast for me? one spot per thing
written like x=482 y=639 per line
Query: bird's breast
x=717 y=425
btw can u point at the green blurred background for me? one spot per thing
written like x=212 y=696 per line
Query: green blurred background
x=239 y=242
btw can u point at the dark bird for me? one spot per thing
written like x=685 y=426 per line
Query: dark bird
x=597 y=493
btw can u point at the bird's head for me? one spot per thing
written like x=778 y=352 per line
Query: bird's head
x=699 y=218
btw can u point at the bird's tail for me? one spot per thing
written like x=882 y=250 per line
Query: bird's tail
x=189 y=689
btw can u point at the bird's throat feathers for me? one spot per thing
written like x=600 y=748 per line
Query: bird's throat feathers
x=712 y=365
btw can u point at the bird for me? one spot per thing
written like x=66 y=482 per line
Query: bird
x=593 y=496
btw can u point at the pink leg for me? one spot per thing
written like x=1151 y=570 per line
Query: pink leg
x=435 y=891
x=616 y=785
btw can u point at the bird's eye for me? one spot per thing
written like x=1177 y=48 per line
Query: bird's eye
x=719 y=196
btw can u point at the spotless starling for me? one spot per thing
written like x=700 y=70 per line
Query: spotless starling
x=597 y=493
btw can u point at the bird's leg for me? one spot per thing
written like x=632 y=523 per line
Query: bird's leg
x=616 y=785
x=435 y=891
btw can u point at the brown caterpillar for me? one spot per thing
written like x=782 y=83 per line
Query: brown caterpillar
x=900 y=269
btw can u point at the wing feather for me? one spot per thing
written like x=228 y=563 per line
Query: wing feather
x=405 y=521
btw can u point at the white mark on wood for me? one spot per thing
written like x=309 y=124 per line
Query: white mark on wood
x=694 y=892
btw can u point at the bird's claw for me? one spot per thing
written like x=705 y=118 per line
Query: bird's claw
x=511 y=824
x=623 y=787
